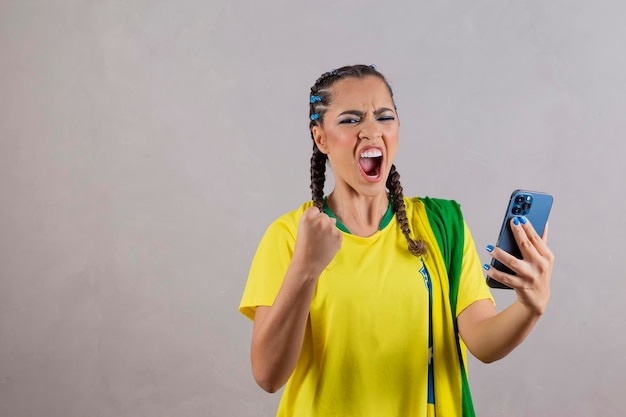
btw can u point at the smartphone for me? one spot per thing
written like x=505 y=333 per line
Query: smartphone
x=535 y=206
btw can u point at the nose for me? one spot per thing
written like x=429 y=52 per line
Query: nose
x=370 y=130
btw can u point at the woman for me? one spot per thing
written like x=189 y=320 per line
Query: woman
x=363 y=302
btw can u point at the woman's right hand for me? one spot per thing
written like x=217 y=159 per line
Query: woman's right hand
x=318 y=240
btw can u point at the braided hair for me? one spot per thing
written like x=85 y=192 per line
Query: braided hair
x=320 y=99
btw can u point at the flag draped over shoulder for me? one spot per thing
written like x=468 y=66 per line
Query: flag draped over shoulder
x=447 y=227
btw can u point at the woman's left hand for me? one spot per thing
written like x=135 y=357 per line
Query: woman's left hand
x=532 y=282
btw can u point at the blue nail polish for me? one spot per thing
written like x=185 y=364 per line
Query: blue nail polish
x=486 y=267
x=489 y=248
x=523 y=219
x=516 y=221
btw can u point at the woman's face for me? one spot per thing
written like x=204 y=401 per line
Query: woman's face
x=360 y=134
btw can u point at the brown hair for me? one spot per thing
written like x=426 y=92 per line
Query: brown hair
x=320 y=99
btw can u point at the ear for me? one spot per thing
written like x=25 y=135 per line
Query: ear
x=320 y=139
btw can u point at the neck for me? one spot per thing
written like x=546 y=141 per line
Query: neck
x=359 y=213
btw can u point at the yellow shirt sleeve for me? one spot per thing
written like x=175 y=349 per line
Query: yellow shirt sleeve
x=473 y=286
x=270 y=263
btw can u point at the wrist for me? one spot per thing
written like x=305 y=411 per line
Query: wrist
x=531 y=310
x=304 y=271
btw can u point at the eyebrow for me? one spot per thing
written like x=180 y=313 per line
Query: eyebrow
x=361 y=114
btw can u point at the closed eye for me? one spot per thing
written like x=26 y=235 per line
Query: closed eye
x=386 y=118
x=350 y=120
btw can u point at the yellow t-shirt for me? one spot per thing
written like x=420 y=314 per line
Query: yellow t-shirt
x=365 y=350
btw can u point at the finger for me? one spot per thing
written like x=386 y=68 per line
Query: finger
x=523 y=237
x=329 y=224
x=311 y=212
x=545 y=233
x=537 y=242
x=519 y=266
x=514 y=281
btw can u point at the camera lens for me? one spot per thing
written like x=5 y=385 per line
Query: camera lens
x=516 y=210
x=519 y=199
x=525 y=206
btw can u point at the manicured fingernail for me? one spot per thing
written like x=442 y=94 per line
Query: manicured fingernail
x=489 y=248
x=486 y=267
x=523 y=220
x=516 y=221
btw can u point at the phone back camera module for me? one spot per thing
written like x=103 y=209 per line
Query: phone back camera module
x=522 y=204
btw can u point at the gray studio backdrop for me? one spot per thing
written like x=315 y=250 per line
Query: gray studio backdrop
x=146 y=145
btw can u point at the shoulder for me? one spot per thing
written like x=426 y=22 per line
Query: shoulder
x=432 y=207
x=288 y=222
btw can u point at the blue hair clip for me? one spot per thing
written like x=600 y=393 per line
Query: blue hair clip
x=333 y=72
x=373 y=66
x=315 y=116
x=315 y=99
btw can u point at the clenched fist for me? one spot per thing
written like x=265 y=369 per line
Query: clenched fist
x=318 y=240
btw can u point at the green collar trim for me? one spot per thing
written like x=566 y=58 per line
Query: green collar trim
x=383 y=222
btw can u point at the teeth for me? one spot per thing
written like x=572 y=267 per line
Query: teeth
x=371 y=153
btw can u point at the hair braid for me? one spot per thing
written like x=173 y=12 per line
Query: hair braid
x=417 y=247
x=318 y=176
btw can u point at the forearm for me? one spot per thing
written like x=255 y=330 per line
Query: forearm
x=490 y=335
x=279 y=331
x=495 y=337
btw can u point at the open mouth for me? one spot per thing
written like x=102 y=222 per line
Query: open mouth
x=370 y=162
